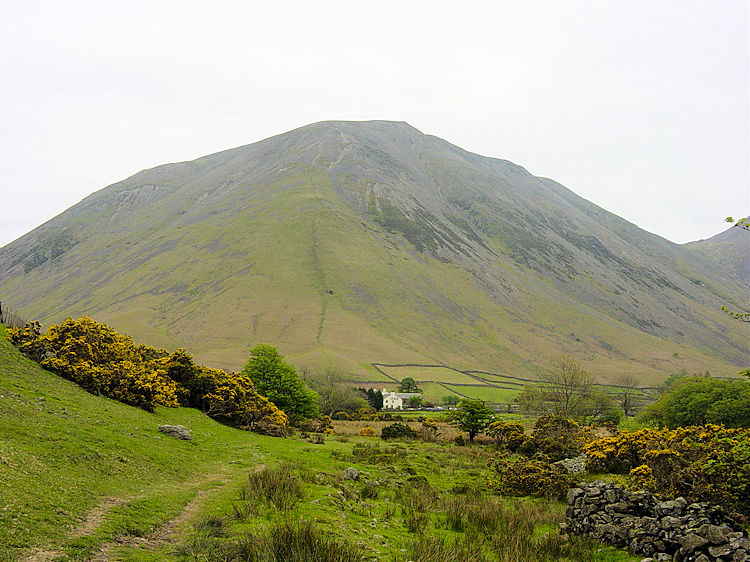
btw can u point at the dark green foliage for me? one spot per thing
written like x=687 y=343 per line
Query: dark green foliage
x=701 y=400
x=471 y=416
x=398 y=430
x=408 y=384
x=374 y=397
x=414 y=402
x=277 y=380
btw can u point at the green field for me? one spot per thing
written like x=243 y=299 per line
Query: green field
x=489 y=394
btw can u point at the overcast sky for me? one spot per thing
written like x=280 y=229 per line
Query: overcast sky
x=640 y=106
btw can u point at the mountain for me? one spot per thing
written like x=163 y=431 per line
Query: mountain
x=346 y=243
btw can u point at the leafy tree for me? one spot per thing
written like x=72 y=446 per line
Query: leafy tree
x=471 y=416
x=414 y=402
x=408 y=384
x=599 y=407
x=450 y=399
x=278 y=381
x=701 y=400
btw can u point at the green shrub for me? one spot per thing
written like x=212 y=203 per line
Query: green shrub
x=398 y=430
x=700 y=401
x=530 y=477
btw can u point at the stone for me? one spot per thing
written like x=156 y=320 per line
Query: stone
x=666 y=530
x=177 y=431
x=351 y=473
x=717 y=551
x=573 y=494
x=670 y=522
x=691 y=543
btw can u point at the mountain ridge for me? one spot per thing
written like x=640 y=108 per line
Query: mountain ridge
x=477 y=247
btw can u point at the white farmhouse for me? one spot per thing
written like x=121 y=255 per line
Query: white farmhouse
x=396 y=400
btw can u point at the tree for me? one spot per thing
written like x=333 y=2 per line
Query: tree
x=333 y=395
x=375 y=398
x=627 y=386
x=471 y=416
x=702 y=400
x=278 y=381
x=414 y=402
x=565 y=390
x=408 y=384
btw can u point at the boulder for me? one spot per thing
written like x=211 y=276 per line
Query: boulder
x=178 y=431
x=351 y=473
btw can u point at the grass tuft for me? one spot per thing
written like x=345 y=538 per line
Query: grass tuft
x=275 y=486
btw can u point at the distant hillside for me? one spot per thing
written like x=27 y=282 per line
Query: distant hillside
x=730 y=249
x=346 y=243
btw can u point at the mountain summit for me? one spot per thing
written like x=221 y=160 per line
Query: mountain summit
x=346 y=243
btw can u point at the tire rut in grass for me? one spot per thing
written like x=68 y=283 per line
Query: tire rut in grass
x=90 y=523
x=167 y=532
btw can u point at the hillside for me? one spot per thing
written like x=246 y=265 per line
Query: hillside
x=84 y=477
x=347 y=243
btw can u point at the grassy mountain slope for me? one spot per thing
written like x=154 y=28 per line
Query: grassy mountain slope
x=346 y=243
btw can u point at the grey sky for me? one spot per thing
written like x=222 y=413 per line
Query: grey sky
x=639 y=106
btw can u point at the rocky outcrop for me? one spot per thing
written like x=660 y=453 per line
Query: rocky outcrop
x=663 y=530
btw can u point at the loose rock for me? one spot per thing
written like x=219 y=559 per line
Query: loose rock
x=178 y=431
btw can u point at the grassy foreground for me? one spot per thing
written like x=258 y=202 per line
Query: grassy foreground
x=81 y=473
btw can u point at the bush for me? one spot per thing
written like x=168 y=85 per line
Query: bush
x=509 y=435
x=429 y=430
x=398 y=430
x=320 y=424
x=367 y=432
x=530 y=477
x=278 y=381
x=101 y=361
x=702 y=400
x=557 y=437
x=703 y=463
x=104 y=362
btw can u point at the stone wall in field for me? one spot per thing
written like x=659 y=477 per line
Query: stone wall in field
x=663 y=530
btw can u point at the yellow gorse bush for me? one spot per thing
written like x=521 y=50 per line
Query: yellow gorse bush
x=111 y=364
x=704 y=463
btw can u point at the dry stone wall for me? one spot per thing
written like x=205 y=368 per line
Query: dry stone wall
x=662 y=530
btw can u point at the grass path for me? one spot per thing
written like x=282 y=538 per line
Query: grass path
x=169 y=533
